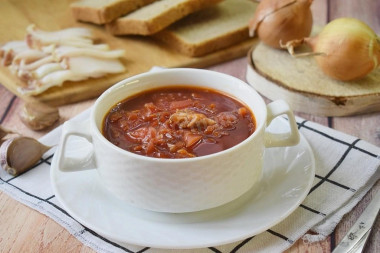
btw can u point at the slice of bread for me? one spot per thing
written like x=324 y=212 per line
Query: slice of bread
x=104 y=11
x=156 y=16
x=210 y=29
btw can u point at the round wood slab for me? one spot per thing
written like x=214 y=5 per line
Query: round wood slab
x=299 y=81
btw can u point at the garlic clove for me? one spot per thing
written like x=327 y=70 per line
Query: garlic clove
x=19 y=154
x=38 y=116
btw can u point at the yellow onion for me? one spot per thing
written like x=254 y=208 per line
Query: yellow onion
x=279 y=21
x=346 y=49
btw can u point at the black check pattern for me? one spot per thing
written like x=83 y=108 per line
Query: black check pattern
x=236 y=247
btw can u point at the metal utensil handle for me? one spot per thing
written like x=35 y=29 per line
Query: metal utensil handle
x=361 y=227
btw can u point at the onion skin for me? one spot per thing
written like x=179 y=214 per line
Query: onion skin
x=348 y=49
x=279 y=21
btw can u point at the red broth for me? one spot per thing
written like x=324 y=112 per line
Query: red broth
x=178 y=122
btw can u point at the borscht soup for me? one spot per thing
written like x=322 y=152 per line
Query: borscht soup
x=178 y=122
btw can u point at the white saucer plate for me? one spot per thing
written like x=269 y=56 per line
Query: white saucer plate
x=288 y=176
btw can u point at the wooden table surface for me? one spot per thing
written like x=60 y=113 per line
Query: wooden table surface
x=23 y=229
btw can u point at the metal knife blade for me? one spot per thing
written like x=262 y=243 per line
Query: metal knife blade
x=361 y=228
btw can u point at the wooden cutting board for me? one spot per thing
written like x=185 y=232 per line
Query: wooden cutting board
x=299 y=81
x=142 y=53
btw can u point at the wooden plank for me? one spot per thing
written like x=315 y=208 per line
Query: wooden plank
x=319 y=10
x=366 y=127
x=318 y=247
x=142 y=53
x=278 y=75
x=48 y=236
x=26 y=230
x=350 y=218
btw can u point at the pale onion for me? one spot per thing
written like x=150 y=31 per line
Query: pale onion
x=346 y=49
x=279 y=21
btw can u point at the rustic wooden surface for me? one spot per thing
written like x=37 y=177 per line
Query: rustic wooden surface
x=141 y=53
x=277 y=75
x=26 y=230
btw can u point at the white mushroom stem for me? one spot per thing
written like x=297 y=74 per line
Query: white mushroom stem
x=52 y=79
x=9 y=50
x=64 y=51
x=36 y=64
x=38 y=44
x=80 y=68
x=51 y=48
x=81 y=44
x=17 y=46
x=28 y=56
x=58 y=77
x=6 y=57
x=91 y=66
x=38 y=38
x=24 y=75
x=46 y=69
x=72 y=32
x=45 y=59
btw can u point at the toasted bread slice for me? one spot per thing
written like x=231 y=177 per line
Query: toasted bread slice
x=156 y=16
x=210 y=29
x=104 y=11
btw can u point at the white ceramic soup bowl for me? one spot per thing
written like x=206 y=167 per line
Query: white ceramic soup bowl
x=186 y=184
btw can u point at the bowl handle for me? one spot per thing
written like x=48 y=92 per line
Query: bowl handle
x=275 y=109
x=85 y=162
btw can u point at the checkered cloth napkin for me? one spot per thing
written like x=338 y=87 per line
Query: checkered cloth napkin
x=346 y=168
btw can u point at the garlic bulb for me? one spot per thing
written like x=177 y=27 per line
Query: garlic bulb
x=38 y=116
x=279 y=21
x=19 y=154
